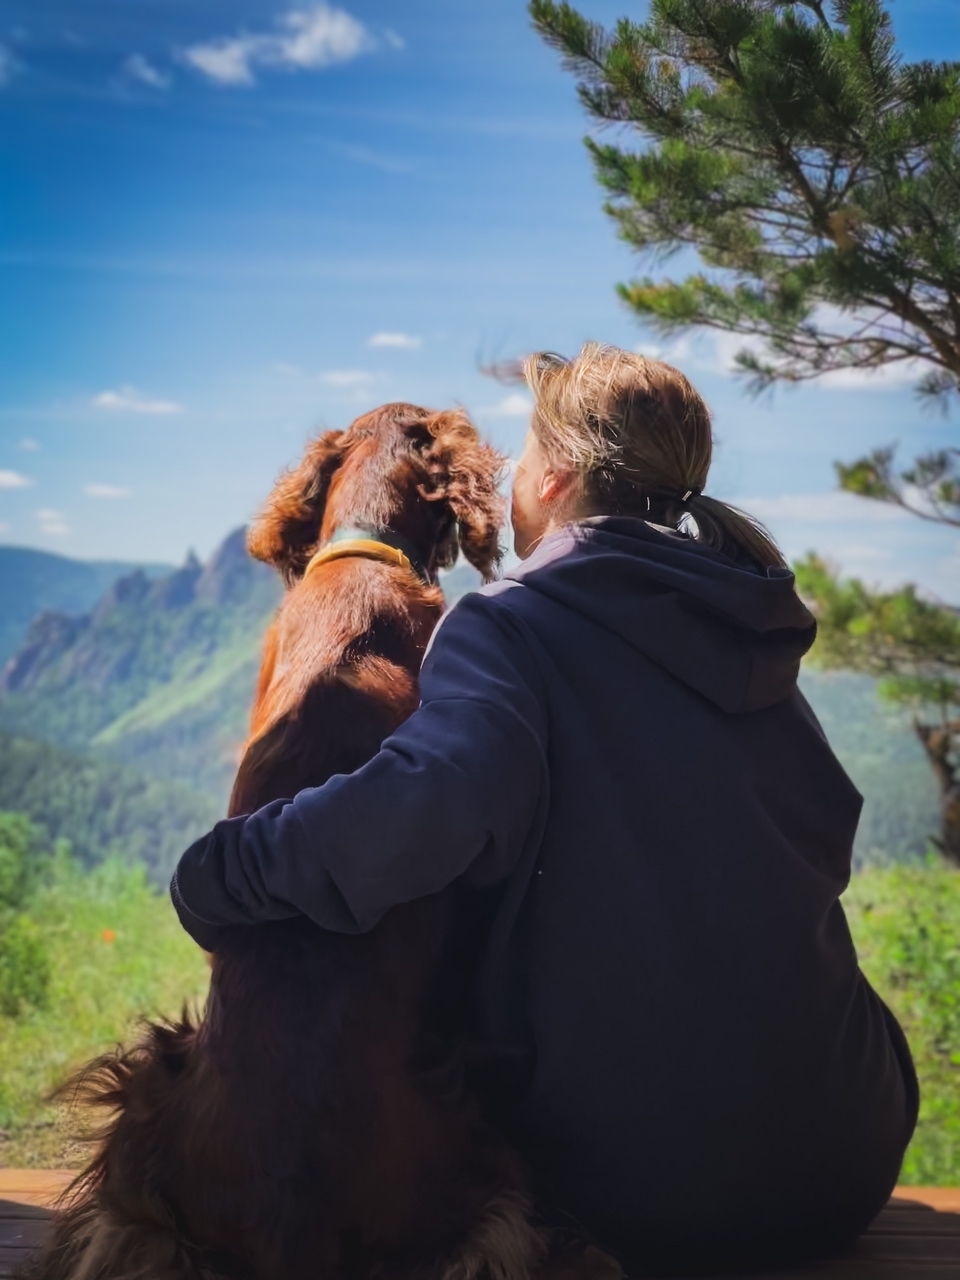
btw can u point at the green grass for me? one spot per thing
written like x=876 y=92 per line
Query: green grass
x=116 y=953
x=906 y=924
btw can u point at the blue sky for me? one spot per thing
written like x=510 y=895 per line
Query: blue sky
x=225 y=224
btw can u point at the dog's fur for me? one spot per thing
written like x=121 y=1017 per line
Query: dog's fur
x=315 y=1123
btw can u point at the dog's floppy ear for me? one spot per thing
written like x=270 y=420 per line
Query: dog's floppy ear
x=466 y=473
x=287 y=529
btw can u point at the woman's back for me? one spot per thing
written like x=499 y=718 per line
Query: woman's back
x=707 y=1056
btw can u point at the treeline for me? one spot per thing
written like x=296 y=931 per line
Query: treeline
x=876 y=745
x=104 y=810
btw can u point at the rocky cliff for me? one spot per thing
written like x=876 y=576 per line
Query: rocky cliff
x=158 y=674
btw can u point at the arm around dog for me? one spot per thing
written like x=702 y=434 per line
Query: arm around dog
x=461 y=786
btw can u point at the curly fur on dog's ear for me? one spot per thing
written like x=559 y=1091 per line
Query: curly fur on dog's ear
x=287 y=528
x=466 y=473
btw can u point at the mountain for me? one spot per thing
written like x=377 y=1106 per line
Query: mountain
x=32 y=582
x=155 y=682
x=158 y=675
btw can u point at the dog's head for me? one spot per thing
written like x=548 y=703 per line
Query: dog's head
x=424 y=475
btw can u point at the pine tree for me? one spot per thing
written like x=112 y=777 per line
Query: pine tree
x=913 y=646
x=816 y=175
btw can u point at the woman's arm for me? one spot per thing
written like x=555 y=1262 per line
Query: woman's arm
x=461 y=785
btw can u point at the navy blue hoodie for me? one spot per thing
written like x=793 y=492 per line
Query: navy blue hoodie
x=612 y=744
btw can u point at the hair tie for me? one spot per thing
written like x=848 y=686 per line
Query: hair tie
x=690 y=493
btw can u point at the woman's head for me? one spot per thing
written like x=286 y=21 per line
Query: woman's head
x=614 y=433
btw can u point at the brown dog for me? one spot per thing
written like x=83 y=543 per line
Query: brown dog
x=316 y=1123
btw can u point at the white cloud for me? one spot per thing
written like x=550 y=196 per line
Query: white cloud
x=137 y=67
x=347 y=377
x=715 y=352
x=514 y=405
x=320 y=36
x=52 y=522
x=286 y=369
x=858 y=553
x=383 y=161
x=309 y=38
x=403 y=341
x=225 y=61
x=13 y=480
x=106 y=491
x=820 y=508
x=28 y=445
x=128 y=400
x=874 y=541
x=705 y=351
x=903 y=374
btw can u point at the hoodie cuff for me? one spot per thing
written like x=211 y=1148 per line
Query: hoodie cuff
x=205 y=935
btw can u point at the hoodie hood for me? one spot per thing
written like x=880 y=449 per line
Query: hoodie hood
x=734 y=634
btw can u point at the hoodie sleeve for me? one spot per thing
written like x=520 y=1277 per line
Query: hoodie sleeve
x=461 y=786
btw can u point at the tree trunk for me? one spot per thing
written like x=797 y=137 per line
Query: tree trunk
x=941 y=742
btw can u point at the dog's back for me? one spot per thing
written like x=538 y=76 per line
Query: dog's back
x=309 y=1036
x=315 y=1123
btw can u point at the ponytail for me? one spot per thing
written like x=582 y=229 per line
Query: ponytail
x=733 y=532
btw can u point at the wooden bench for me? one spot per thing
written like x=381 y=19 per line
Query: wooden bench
x=917 y=1237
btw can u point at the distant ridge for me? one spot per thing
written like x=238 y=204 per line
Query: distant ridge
x=159 y=673
x=33 y=581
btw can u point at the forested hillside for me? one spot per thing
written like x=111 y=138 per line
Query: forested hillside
x=33 y=582
x=123 y=724
x=105 y=810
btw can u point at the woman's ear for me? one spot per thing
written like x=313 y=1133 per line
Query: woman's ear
x=556 y=487
x=287 y=529
x=466 y=474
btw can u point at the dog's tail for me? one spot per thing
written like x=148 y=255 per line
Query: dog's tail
x=89 y=1244
x=114 y=1222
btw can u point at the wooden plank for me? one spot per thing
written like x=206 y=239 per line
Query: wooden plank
x=10 y=1259
x=930 y=1224
x=859 y=1269
x=34 y=1186
x=925 y=1248
x=946 y=1199
x=27 y=1233
x=17 y=1209
x=902 y=1218
x=912 y=1239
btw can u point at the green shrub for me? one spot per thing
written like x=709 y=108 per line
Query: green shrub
x=906 y=924
x=116 y=954
x=24 y=966
x=22 y=857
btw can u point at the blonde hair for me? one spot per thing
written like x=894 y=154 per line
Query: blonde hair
x=639 y=438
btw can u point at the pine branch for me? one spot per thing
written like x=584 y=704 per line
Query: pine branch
x=806 y=164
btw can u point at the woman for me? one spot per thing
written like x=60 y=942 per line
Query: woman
x=612 y=752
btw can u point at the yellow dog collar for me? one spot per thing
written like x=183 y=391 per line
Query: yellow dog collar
x=364 y=547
